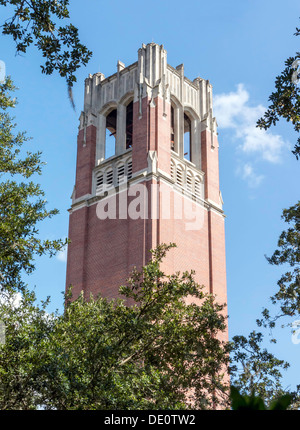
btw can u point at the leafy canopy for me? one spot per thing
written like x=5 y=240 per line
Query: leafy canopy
x=256 y=375
x=160 y=352
x=287 y=254
x=285 y=99
x=22 y=203
x=36 y=22
x=252 y=402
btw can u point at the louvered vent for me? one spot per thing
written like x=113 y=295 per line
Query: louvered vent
x=172 y=170
x=198 y=188
x=179 y=176
x=129 y=170
x=121 y=174
x=109 y=178
x=99 y=183
x=189 y=182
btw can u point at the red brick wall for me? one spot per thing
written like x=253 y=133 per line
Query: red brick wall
x=218 y=259
x=86 y=155
x=103 y=252
x=192 y=251
x=140 y=136
x=151 y=133
x=78 y=226
x=210 y=165
x=163 y=135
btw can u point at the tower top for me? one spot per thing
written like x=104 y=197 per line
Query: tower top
x=150 y=76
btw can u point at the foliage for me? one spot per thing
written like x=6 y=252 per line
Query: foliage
x=256 y=377
x=34 y=22
x=285 y=104
x=245 y=402
x=26 y=326
x=287 y=254
x=285 y=100
x=153 y=350
x=22 y=205
x=257 y=373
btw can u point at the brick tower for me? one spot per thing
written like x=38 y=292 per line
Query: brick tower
x=147 y=173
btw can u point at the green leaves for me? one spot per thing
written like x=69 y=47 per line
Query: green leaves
x=256 y=370
x=159 y=353
x=34 y=22
x=285 y=100
x=287 y=296
x=285 y=104
x=22 y=203
x=249 y=403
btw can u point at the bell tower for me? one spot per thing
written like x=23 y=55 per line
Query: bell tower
x=147 y=172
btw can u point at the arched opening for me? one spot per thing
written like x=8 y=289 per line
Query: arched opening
x=110 y=136
x=129 y=122
x=187 y=139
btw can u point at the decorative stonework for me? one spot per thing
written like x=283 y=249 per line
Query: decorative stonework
x=150 y=77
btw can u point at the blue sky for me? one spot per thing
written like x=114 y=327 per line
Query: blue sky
x=240 y=46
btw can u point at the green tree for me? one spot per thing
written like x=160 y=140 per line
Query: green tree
x=240 y=402
x=152 y=350
x=287 y=296
x=256 y=375
x=25 y=325
x=22 y=203
x=285 y=104
x=35 y=22
x=285 y=99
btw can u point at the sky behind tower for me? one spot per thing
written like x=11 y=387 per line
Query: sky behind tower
x=240 y=47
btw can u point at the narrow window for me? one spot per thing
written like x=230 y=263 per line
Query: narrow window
x=172 y=137
x=187 y=138
x=129 y=121
x=110 y=137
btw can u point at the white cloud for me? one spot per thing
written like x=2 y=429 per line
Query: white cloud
x=268 y=145
x=229 y=105
x=62 y=255
x=247 y=173
x=233 y=111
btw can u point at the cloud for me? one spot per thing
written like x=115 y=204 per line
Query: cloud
x=62 y=255
x=247 y=173
x=233 y=111
x=268 y=145
x=228 y=106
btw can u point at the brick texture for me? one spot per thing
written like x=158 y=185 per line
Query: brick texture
x=102 y=253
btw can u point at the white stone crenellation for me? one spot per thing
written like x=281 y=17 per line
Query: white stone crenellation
x=150 y=76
